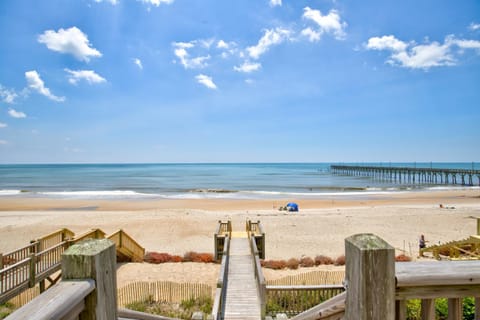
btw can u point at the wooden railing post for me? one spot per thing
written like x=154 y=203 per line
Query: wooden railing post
x=32 y=270
x=478 y=226
x=1 y=261
x=428 y=309
x=94 y=259
x=370 y=278
x=477 y=308
x=454 y=309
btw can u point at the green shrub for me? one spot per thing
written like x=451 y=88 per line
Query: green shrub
x=6 y=309
x=184 y=310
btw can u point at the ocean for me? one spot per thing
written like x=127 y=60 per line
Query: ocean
x=200 y=181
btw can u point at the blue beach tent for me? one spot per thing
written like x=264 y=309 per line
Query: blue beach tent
x=292 y=206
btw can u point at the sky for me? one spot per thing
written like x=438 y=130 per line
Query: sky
x=108 y=81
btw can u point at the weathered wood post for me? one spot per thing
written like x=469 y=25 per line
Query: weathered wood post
x=370 y=278
x=478 y=226
x=1 y=261
x=94 y=259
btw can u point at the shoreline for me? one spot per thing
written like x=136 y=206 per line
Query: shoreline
x=12 y=203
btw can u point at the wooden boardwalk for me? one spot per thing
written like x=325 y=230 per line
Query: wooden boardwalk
x=242 y=300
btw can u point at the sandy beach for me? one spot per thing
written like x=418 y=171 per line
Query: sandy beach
x=178 y=226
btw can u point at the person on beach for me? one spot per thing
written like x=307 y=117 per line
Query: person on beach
x=421 y=244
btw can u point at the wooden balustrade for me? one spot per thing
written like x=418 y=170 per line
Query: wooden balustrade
x=255 y=230
x=221 y=291
x=48 y=261
x=17 y=255
x=14 y=278
x=224 y=230
x=293 y=300
x=54 y=238
x=126 y=245
x=261 y=283
x=92 y=234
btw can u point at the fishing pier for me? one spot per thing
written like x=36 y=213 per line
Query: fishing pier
x=409 y=175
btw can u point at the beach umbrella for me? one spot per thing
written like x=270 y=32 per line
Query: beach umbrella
x=292 y=206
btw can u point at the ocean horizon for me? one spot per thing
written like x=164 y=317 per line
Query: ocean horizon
x=205 y=180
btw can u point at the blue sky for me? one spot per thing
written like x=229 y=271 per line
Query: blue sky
x=239 y=81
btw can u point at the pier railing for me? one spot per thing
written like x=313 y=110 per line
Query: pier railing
x=411 y=174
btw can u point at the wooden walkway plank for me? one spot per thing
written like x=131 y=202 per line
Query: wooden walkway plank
x=242 y=301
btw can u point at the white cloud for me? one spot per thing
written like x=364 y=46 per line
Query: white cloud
x=386 y=43
x=72 y=41
x=114 y=2
x=330 y=23
x=274 y=3
x=157 y=2
x=206 y=81
x=88 y=75
x=222 y=45
x=3 y=142
x=311 y=34
x=247 y=67
x=138 y=63
x=182 y=54
x=466 y=44
x=3 y=125
x=474 y=26
x=422 y=56
x=271 y=37
x=7 y=95
x=36 y=83
x=16 y=114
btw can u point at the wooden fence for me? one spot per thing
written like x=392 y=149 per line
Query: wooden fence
x=310 y=278
x=162 y=291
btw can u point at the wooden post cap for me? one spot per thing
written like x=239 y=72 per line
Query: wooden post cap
x=368 y=241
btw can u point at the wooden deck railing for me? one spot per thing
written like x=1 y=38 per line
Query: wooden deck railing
x=36 y=262
x=255 y=230
x=224 y=230
x=293 y=300
x=261 y=283
x=54 y=238
x=28 y=272
x=127 y=245
x=47 y=262
x=12 y=257
x=427 y=281
x=91 y=234
x=221 y=291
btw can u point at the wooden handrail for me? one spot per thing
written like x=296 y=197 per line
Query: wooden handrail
x=125 y=241
x=92 y=234
x=65 y=301
x=221 y=291
x=14 y=256
x=326 y=309
x=261 y=283
x=121 y=231
x=136 y=315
